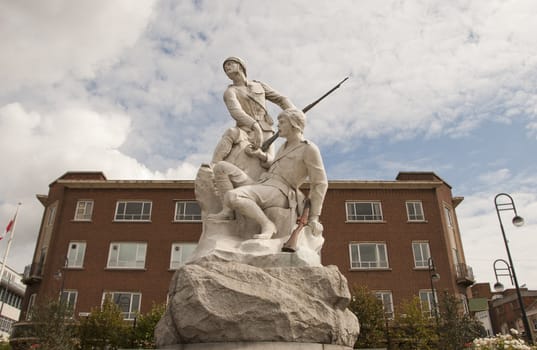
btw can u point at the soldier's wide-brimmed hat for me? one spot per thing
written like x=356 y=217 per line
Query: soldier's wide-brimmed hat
x=238 y=60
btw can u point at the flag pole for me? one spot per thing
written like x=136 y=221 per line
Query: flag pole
x=11 y=231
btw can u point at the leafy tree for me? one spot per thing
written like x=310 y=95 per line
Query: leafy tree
x=368 y=308
x=143 y=334
x=413 y=328
x=456 y=327
x=104 y=328
x=54 y=326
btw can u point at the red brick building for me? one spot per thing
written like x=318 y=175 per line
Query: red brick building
x=504 y=308
x=126 y=238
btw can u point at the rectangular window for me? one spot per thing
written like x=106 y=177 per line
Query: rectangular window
x=75 y=254
x=368 y=255
x=429 y=302
x=414 y=210
x=180 y=253
x=364 y=211
x=84 y=210
x=187 y=211
x=387 y=302
x=128 y=303
x=128 y=255
x=68 y=298
x=31 y=303
x=51 y=215
x=422 y=254
x=133 y=211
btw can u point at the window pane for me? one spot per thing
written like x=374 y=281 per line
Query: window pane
x=135 y=303
x=417 y=252
x=180 y=253
x=75 y=254
x=127 y=255
x=415 y=211
x=368 y=252
x=133 y=208
x=187 y=211
x=383 y=261
x=130 y=211
x=364 y=211
x=355 y=258
x=421 y=254
x=84 y=209
x=123 y=301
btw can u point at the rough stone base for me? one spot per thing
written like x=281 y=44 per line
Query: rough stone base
x=234 y=303
x=257 y=346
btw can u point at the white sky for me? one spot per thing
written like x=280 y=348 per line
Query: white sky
x=134 y=89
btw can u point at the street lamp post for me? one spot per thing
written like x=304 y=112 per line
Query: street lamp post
x=517 y=221
x=501 y=271
x=434 y=277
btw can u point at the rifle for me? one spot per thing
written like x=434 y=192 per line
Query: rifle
x=291 y=244
x=265 y=146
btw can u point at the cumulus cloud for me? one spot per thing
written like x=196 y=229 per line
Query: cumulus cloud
x=39 y=147
x=416 y=68
x=44 y=42
x=135 y=88
x=495 y=177
x=482 y=237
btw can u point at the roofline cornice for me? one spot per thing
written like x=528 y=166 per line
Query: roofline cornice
x=189 y=184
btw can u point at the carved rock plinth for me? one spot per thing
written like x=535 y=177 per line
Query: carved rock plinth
x=216 y=302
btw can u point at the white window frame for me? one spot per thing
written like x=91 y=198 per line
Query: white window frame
x=114 y=255
x=426 y=299
x=76 y=252
x=375 y=216
x=31 y=303
x=133 y=307
x=180 y=214
x=51 y=215
x=386 y=298
x=424 y=250
x=180 y=252
x=380 y=249
x=414 y=211
x=142 y=216
x=83 y=210
x=71 y=296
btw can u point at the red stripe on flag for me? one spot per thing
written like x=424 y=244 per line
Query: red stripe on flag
x=10 y=225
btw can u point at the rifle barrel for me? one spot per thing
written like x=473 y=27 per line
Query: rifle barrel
x=265 y=146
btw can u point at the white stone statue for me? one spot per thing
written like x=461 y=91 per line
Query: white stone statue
x=246 y=103
x=258 y=216
x=296 y=161
x=239 y=290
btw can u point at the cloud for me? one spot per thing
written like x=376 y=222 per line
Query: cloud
x=135 y=89
x=417 y=69
x=44 y=42
x=39 y=147
x=482 y=237
x=495 y=177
